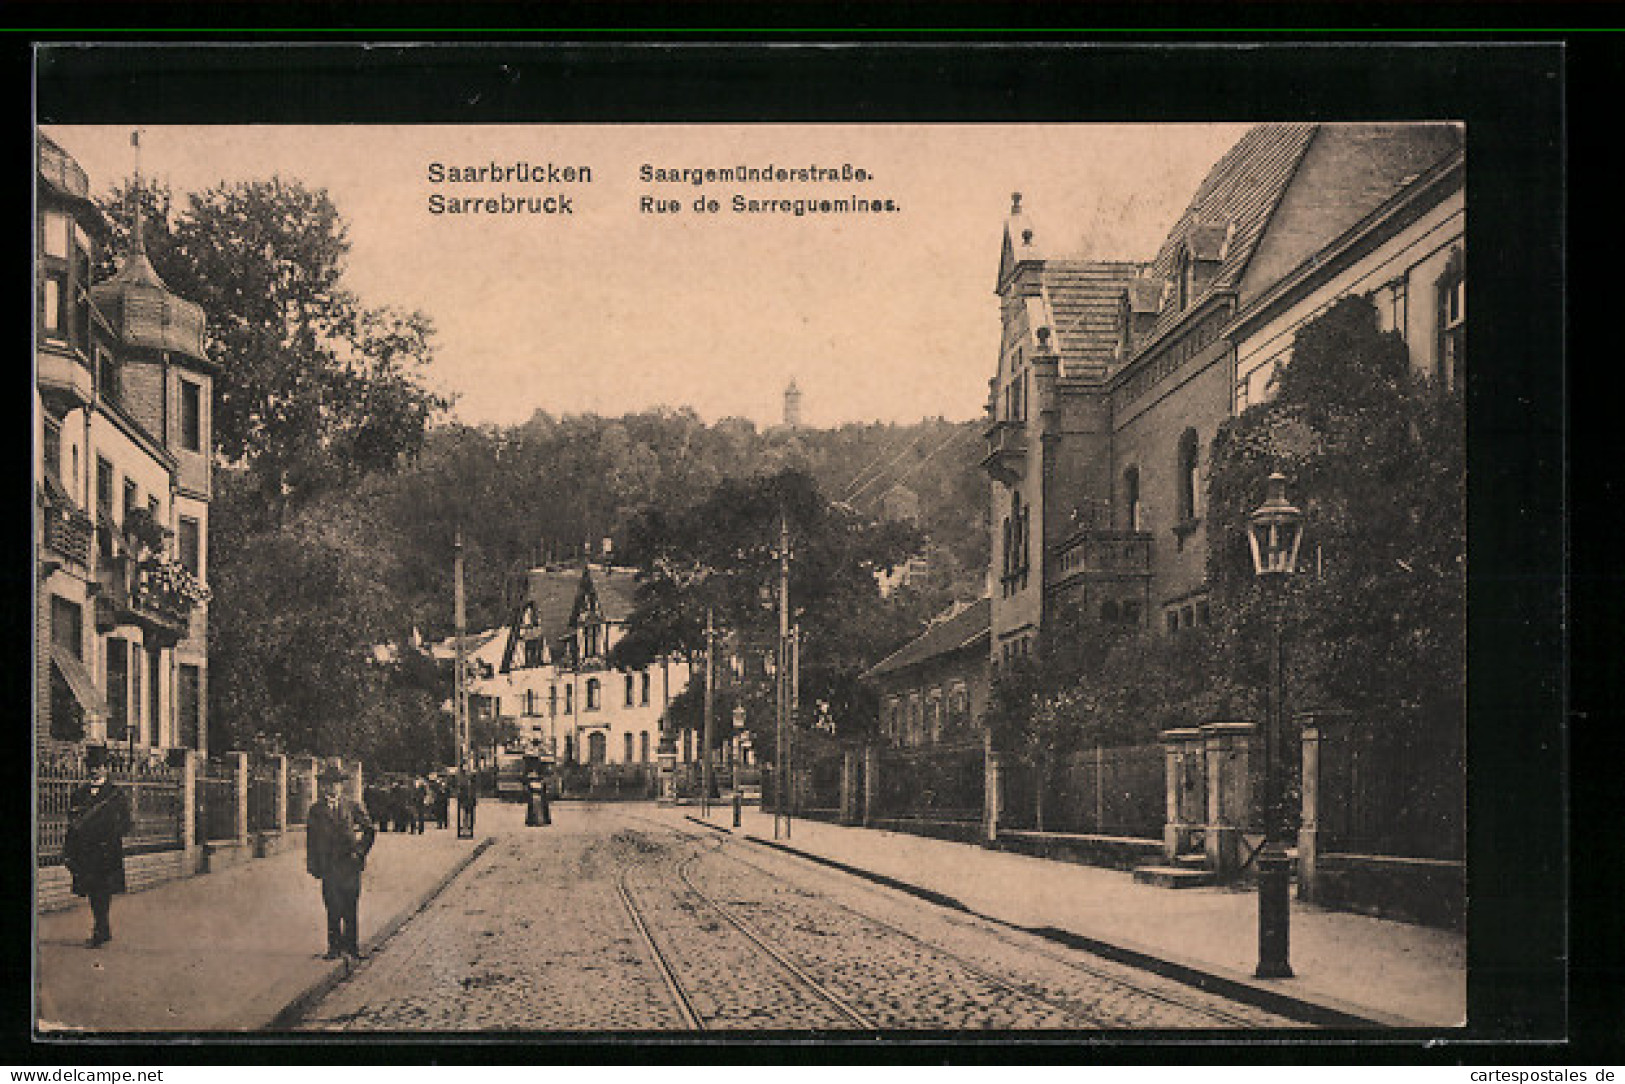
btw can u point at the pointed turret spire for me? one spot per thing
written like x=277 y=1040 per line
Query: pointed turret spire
x=138 y=233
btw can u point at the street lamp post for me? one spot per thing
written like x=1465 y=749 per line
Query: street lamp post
x=1274 y=533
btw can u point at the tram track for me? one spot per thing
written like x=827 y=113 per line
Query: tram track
x=688 y=1000
x=1096 y=974
x=1199 y=1005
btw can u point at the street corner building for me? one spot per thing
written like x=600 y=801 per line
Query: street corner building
x=1112 y=379
x=546 y=681
x=121 y=465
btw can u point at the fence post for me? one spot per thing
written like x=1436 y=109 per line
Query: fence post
x=280 y=761
x=1229 y=792
x=992 y=791
x=189 y=839
x=239 y=791
x=849 y=785
x=871 y=783
x=356 y=787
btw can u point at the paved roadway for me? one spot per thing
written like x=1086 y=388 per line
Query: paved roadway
x=624 y=918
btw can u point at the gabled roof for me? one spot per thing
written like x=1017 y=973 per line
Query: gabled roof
x=1230 y=210
x=955 y=630
x=1084 y=298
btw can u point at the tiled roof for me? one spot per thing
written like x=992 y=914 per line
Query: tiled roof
x=616 y=589
x=955 y=631
x=552 y=591
x=1083 y=297
x=1235 y=200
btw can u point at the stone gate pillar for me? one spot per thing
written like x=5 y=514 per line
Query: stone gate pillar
x=1228 y=747
x=1314 y=726
x=189 y=840
x=1182 y=762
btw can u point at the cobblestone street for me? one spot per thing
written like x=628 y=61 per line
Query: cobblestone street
x=619 y=918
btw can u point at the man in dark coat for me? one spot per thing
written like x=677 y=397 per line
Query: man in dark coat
x=93 y=850
x=468 y=796
x=338 y=835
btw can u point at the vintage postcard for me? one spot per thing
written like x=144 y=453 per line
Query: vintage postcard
x=750 y=579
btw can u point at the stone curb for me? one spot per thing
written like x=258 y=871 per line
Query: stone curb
x=1321 y=1011
x=290 y=1014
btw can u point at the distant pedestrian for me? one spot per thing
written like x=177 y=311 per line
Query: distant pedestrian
x=467 y=798
x=402 y=805
x=420 y=802
x=442 y=802
x=338 y=835
x=93 y=849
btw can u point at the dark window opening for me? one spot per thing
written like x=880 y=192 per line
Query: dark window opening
x=104 y=486
x=118 y=690
x=1131 y=498
x=191 y=416
x=1188 y=477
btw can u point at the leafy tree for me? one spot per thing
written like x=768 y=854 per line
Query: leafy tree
x=721 y=555
x=314 y=388
x=1374 y=455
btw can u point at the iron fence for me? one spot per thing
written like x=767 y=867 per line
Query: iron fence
x=153 y=788
x=301 y=789
x=1395 y=790
x=262 y=797
x=216 y=802
x=938 y=782
x=1101 y=790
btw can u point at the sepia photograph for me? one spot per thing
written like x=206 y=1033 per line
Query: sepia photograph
x=751 y=579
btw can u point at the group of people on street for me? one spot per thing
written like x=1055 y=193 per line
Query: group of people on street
x=407 y=805
x=339 y=834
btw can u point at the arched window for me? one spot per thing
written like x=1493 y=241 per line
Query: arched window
x=1131 y=498
x=592 y=694
x=1188 y=477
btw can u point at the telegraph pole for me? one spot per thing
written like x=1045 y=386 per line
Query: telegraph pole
x=783 y=679
x=460 y=621
x=706 y=770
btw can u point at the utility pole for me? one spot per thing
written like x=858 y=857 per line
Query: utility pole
x=460 y=621
x=707 y=772
x=782 y=768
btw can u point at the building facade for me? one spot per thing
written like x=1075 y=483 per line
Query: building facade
x=554 y=680
x=122 y=459
x=934 y=689
x=1114 y=377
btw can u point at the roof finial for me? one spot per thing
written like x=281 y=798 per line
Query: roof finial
x=1015 y=203
x=1027 y=237
x=138 y=239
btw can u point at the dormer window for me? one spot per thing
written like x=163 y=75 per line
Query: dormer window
x=1183 y=273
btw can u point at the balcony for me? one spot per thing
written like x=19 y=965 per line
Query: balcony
x=63 y=378
x=1006 y=458
x=68 y=533
x=1102 y=555
x=153 y=593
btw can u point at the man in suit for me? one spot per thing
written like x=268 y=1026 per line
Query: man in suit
x=93 y=851
x=338 y=835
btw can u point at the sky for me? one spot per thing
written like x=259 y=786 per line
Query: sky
x=609 y=309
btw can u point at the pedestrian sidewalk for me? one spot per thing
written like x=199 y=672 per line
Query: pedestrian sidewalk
x=1389 y=973
x=229 y=950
